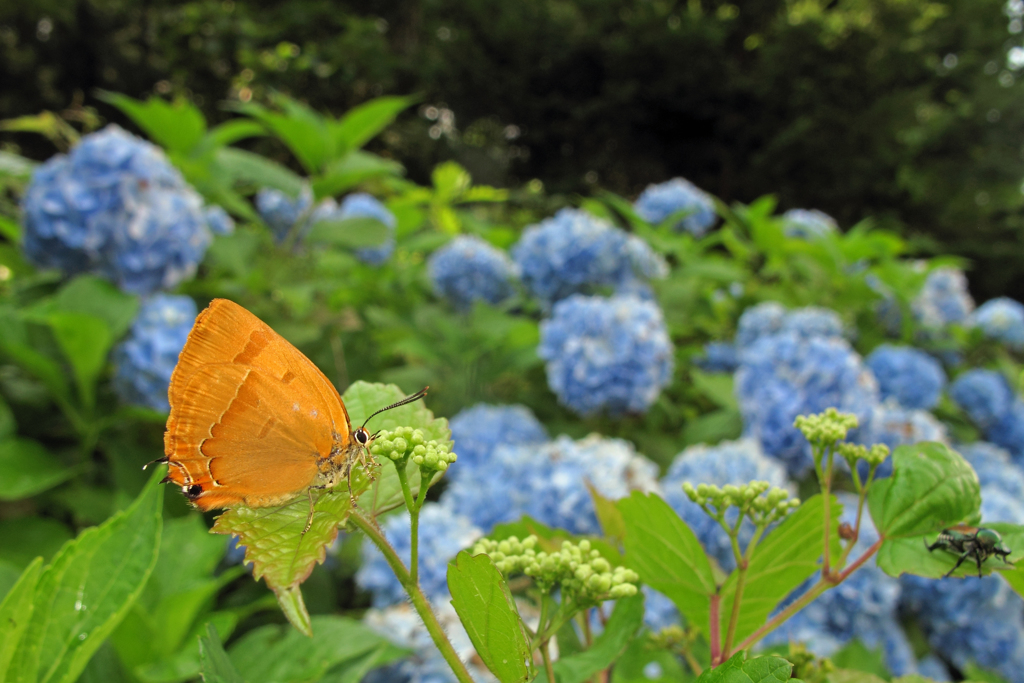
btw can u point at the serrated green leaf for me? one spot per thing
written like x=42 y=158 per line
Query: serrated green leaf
x=355 y=232
x=668 y=556
x=178 y=126
x=27 y=468
x=486 y=609
x=627 y=617
x=352 y=169
x=215 y=666
x=360 y=124
x=782 y=561
x=87 y=589
x=931 y=487
x=98 y=298
x=239 y=165
x=276 y=653
x=301 y=129
x=15 y=613
x=85 y=341
x=737 y=669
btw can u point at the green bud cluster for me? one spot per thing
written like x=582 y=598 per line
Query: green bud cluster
x=826 y=428
x=580 y=570
x=406 y=442
x=874 y=456
x=758 y=500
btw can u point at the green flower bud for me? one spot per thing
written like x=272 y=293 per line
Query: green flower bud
x=623 y=590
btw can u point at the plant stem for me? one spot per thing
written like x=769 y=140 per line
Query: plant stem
x=826 y=491
x=773 y=623
x=716 y=630
x=546 y=656
x=588 y=637
x=859 y=561
x=419 y=601
x=414 y=521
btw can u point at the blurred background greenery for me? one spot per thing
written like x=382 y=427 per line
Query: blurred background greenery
x=908 y=111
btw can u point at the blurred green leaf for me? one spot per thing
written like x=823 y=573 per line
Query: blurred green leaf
x=716 y=386
x=215 y=665
x=362 y=123
x=634 y=666
x=85 y=341
x=96 y=297
x=355 y=232
x=16 y=166
x=450 y=181
x=27 y=468
x=713 y=427
x=301 y=129
x=7 y=425
x=668 y=556
x=627 y=617
x=784 y=559
x=87 y=589
x=350 y=170
x=178 y=126
x=931 y=487
x=856 y=656
x=241 y=166
x=355 y=670
x=10 y=229
x=613 y=527
x=739 y=669
x=41 y=367
x=230 y=132
x=973 y=672
x=22 y=539
x=16 y=612
x=486 y=609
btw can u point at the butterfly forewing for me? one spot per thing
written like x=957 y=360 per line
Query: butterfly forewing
x=250 y=415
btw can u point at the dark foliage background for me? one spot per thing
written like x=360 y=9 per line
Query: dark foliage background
x=910 y=112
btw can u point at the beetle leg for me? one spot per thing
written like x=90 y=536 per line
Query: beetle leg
x=957 y=565
x=977 y=559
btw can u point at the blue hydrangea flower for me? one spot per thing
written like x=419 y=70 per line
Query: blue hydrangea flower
x=658 y=202
x=478 y=430
x=911 y=377
x=218 y=220
x=1002 y=319
x=144 y=361
x=782 y=376
x=659 y=611
x=808 y=224
x=442 y=534
x=894 y=425
x=281 y=211
x=759 y=321
x=994 y=467
x=574 y=252
x=971 y=619
x=549 y=482
x=609 y=354
x=115 y=206
x=862 y=607
x=718 y=357
x=812 y=321
x=944 y=299
x=984 y=395
x=1008 y=431
x=363 y=205
x=934 y=668
x=469 y=269
x=730 y=462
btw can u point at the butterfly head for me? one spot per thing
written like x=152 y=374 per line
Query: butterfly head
x=363 y=437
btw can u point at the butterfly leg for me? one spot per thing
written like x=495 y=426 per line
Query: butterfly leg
x=309 y=520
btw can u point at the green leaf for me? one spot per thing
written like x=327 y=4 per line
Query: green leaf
x=635 y=664
x=178 y=126
x=355 y=232
x=355 y=167
x=98 y=298
x=612 y=525
x=15 y=613
x=27 y=468
x=486 y=609
x=782 y=561
x=16 y=166
x=450 y=181
x=215 y=666
x=716 y=386
x=627 y=617
x=360 y=124
x=85 y=341
x=356 y=670
x=667 y=556
x=853 y=676
x=87 y=589
x=10 y=229
x=22 y=539
x=770 y=669
x=931 y=487
x=239 y=165
x=483 y=193
x=41 y=367
x=230 y=132
x=7 y=425
x=973 y=672
x=857 y=657
x=276 y=653
x=713 y=427
x=303 y=130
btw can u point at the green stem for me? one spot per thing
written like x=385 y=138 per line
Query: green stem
x=773 y=623
x=419 y=601
x=826 y=491
x=546 y=656
x=414 y=520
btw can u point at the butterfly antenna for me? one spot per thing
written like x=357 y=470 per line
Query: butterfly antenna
x=408 y=399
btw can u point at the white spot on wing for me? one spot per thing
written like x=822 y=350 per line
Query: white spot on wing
x=313 y=413
x=295 y=407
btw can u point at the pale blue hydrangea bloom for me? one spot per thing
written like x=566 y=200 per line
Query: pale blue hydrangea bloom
x=812 y=321
x=730 y=462
x=944 y=299
x=759 y=321
x=863 y=607
x=606 y=354
x=478 y=430
x=442 y=534
x=218 y=220
x=659 y=611
x=115 y=206
x=971 y=619
x=281 y=211
x=548 y=482
x=994 y=467
x=808 y=224
x=782 y=376
x=910 y=376
x=468 y=269
x=718 y=357
x=1008 y=431
x=1002 y=319
x=934 y=668
x=144 y=361
x=361 y=205
x=658 y=202
x=575 y=252
x=891 y=424
x=984 y=395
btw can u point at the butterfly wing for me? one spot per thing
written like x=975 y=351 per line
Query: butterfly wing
x=250 y=415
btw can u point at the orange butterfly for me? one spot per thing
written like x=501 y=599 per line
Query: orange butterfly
x=252 y=419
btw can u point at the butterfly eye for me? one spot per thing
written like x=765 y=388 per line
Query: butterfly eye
x=193 y=491
x=362 y=436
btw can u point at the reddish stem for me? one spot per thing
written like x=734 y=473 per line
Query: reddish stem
x=715 y=628
x=859 y=561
